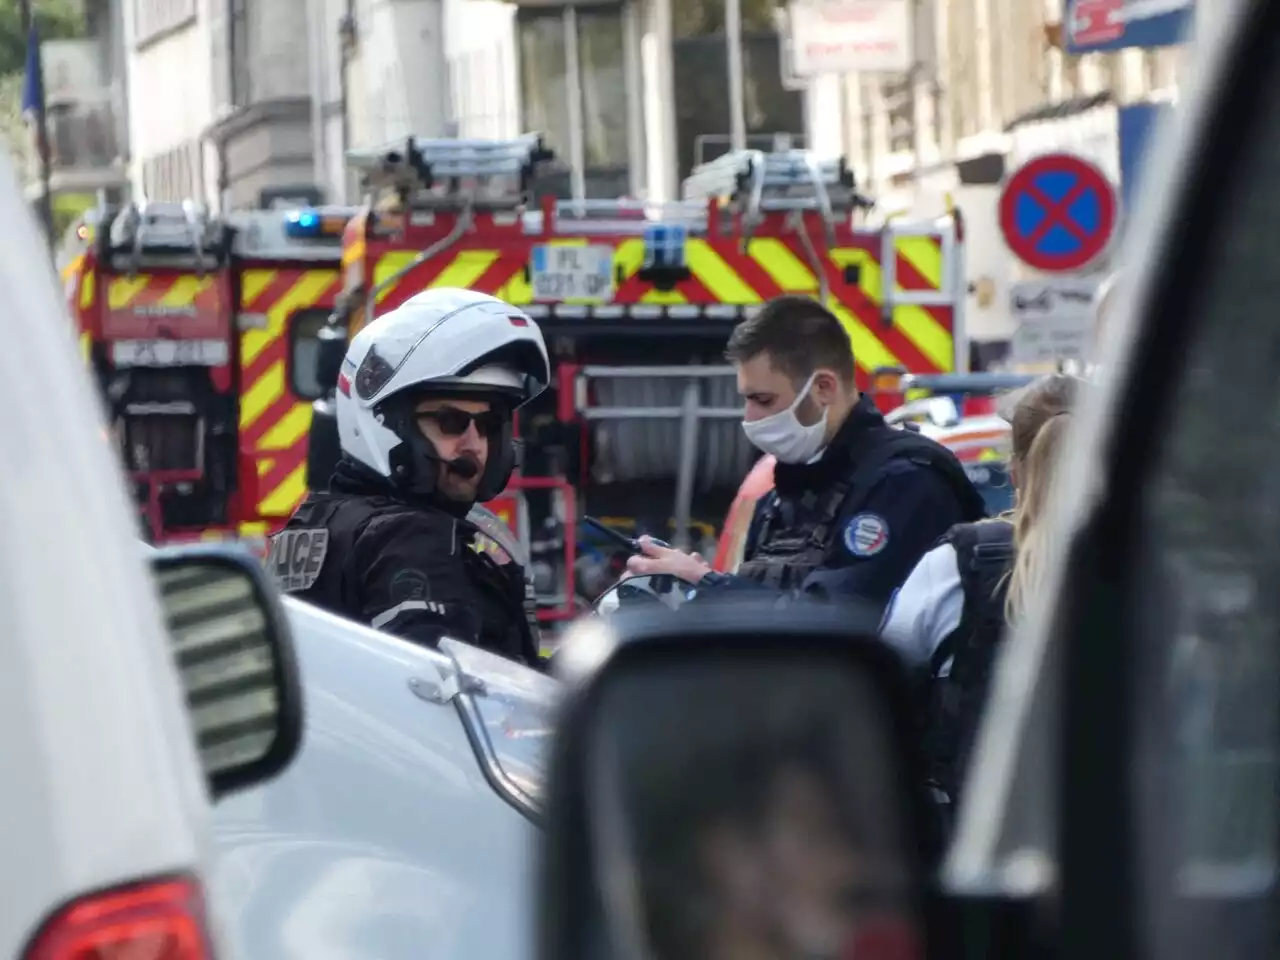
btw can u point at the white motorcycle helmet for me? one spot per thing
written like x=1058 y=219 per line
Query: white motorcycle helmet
x=446 y=341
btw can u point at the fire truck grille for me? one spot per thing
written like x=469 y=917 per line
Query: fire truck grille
x=162 y=440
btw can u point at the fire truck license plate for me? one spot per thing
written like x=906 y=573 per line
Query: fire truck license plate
x=584 y=274
x=170 y=353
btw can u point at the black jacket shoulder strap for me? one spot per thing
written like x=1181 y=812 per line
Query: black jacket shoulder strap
x=884 y=447
x=981 y=546
x=984 y=557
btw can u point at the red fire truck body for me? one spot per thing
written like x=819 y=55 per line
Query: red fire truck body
x=201 y=332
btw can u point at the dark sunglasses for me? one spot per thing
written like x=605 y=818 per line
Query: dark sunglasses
x=453 y=422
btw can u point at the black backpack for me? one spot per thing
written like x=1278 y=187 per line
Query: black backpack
x=985 y=554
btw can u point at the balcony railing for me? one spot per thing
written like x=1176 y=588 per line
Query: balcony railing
x=83 y=142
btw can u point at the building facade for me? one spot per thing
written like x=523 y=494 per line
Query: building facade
x=994 y=83
x=598 y=78
x=169 y=82
x=221 y=104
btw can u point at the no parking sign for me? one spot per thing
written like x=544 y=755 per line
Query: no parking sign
x=1058 y=213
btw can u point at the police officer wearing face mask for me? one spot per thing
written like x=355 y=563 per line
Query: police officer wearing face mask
x=856 y=503
x=424 y=408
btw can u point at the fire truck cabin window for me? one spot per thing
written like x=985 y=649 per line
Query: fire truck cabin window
x=304 y=353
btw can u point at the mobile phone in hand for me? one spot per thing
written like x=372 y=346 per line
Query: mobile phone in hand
x=618 y=538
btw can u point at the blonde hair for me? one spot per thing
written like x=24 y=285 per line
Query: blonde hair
x=1039 y=421
x=1031 y=536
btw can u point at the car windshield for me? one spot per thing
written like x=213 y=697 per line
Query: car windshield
x=515 y=708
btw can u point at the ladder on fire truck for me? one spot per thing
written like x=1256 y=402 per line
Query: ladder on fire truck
x=425 y=176
x=753 y=184
x=145 y=233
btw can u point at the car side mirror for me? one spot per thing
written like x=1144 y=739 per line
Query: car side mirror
x=736 y=775
x=649 y=590
x=331 y=349
x=235 y=658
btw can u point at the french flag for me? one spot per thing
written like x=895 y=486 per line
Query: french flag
x=33 y=89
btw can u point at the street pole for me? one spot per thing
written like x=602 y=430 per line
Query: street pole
x=733 y=57
x=43 y=146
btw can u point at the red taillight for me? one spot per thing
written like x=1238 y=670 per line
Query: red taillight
x=162 y=920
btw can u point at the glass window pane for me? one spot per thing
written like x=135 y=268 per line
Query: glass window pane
x=604 y=88
x=544 y=88
x=704 y=18
x=702 y=108
x=304 y=354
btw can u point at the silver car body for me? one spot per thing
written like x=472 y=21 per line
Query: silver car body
x=405 y=827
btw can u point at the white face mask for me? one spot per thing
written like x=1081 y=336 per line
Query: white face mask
x=784 y=436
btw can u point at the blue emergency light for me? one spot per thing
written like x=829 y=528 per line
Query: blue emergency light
x=664 y=246
x=310 y=224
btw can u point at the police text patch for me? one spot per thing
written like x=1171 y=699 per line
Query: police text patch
x=866 y=535
x=296 y=558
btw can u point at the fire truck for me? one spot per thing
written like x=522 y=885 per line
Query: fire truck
x=202 y=333
x=636 y=300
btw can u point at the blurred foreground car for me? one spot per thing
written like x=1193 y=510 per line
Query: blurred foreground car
x=108 y=772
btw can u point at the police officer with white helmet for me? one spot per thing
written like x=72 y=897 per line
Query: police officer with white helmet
x=424 y=407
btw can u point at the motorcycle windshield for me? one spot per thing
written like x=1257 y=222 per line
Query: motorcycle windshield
x=514 y=706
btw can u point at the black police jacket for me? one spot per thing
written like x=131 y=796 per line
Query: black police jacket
x=409 y=566
x=961 y=666
x=854 y=524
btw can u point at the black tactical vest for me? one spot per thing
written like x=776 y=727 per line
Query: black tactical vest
x=794 y=539
x=985 y=555
x=310 y=559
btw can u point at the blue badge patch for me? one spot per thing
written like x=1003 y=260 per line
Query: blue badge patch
x=866 y=535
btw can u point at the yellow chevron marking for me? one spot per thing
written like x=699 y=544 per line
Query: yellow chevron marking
x=304 y=293
x=183 y=290
x=468 y=267
x=925 y=254
x=253 y=283
x=916 y=323
x=720 y=279
x=792 y=275
x=465 y=268
x=121 y=291
x=290 y=429
x=284 y=498
x=260 y=395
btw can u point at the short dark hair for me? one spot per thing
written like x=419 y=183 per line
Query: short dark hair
x=799 y=334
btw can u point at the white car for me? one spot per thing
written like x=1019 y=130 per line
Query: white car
x=406 y=826
x=115 y=731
